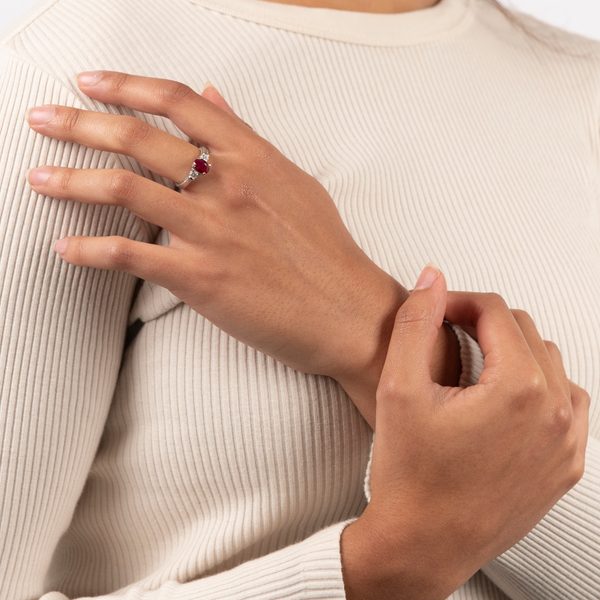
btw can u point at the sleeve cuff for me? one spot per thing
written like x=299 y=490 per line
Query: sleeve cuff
x=471 y=357
x=560 y=557
x=471 y=360
x=308 y=570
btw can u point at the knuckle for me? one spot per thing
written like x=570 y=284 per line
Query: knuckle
x=132 y=132
x=494 y=301
x=122 y=185
x=407 y=316
x=580 y=395
x=118 y=255
x=70 y=120
x=561 y=419
x=521 y=316
x=172 y=92
x=388 y=388
x=552 y=348
x=75 y=250
x=116 y=81
x=409 y=319
x=62 y=181
x=397 y=386
x=536 y=383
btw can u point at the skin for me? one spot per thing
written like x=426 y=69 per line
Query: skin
x=341 y=321
x=270 y=262
x=371 y=6
x=461 y=475
x=445 y=364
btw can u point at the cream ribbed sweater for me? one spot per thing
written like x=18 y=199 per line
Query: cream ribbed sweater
x=441 y=134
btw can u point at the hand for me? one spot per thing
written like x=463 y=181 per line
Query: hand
x=257 y=245
x=460 y=475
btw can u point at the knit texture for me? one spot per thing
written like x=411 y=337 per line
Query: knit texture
x=187 y=465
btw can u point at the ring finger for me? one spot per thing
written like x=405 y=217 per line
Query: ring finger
x=159 y=151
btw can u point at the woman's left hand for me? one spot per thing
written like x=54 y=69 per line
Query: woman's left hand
x=257 y=245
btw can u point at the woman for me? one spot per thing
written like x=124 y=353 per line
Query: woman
x=213 y=454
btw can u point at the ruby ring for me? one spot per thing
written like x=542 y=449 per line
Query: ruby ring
x=199 y=167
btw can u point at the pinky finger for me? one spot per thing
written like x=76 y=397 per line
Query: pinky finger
x=146 y=261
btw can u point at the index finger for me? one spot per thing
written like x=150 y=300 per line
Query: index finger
x=196 y=116
x=498 y=333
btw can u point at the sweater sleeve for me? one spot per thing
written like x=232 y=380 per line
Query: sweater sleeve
x=308 y=570
x=62 y=330
x=471 y=366
x=560 y=558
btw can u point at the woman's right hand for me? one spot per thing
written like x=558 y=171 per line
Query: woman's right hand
x=460 y=475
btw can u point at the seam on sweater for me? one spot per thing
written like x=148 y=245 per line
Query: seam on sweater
x=464 y=22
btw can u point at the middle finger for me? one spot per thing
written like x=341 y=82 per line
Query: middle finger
x=159 y=151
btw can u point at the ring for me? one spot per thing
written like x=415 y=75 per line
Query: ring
x=199 y=167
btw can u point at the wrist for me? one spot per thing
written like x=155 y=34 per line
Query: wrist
x=392 y=561
x=362 y=351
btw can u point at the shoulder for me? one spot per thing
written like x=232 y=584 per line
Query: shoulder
x=64 y=36
x=531 y=52
x=565 y=40
x=525 y=29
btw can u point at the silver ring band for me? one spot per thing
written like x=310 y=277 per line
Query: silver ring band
x=199 y=167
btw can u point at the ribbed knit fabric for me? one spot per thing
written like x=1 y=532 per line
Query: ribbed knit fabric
x=189 y=466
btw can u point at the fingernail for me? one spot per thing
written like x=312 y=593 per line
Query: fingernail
x=39 y=176
x=427 y=278
x=89 y=77
x=61 y=246
x=207 y=85
x=40 y=115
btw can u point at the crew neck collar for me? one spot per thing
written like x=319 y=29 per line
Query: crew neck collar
x=447 y=17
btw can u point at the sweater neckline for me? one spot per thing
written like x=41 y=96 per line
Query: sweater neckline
x=445 y=18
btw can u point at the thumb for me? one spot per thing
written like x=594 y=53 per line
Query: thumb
x=407 y=366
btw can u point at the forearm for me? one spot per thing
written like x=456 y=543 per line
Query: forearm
x=399 y=565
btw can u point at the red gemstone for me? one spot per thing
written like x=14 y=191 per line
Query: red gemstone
x=201 y=166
